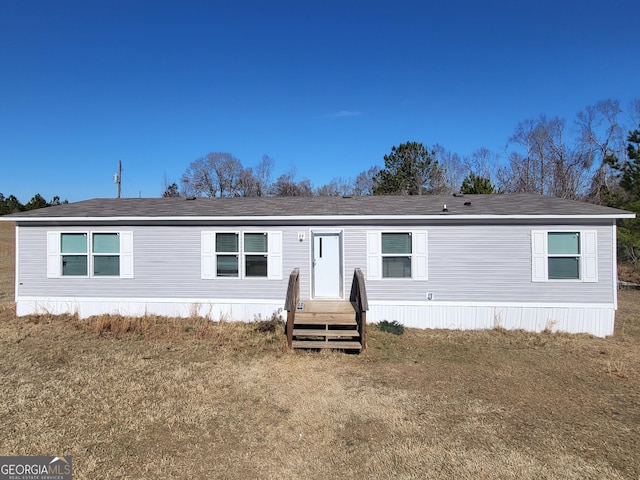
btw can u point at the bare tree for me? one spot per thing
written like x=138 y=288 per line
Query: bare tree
x=601 y=140
x=247 y=184
x=364 y=182
x=451 y=170
x=482 y=163
x=215 y=175
x=263 y=173
x=337 y=187
x=634 y=111
x=287 y=186
x=544 y=163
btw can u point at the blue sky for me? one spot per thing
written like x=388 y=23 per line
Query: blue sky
x=324 y=87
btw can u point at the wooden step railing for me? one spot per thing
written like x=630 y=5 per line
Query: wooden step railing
x=360 y=304
x=291 y=303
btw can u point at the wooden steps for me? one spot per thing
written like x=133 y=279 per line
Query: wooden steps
x=326 y=324
x=316 y=332
x=323 y=344
x=321 y=318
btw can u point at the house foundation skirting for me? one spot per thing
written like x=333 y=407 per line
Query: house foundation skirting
x=218 y=309
x=594 y=319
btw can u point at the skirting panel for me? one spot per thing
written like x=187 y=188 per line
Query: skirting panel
x=238 y=310
x=598 y=320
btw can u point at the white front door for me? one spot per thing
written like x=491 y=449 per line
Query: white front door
x=327 y=276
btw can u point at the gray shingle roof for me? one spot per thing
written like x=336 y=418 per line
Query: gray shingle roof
x=386 y=206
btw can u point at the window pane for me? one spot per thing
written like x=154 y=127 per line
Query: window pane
x=564 y=242
x=255 y=242
x=73 y=243
x=396 y=267
x=74 y=265
x=106 y=243
x=564 y=268
x=396 y=243
x=226 y=242
x=256 y=265
x=227 y=266
x=106 y=265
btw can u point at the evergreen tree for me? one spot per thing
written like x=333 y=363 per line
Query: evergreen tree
x=475 y=184
x=410 y=169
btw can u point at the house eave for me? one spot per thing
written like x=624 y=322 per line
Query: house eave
x=338 y=219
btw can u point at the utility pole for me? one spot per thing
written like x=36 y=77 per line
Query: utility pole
x=117 y=178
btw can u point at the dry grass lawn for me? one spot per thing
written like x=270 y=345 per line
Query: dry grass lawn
x=160 y=398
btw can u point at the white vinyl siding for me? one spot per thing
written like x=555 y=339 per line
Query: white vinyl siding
x=561 y=255
x=466 y=263
x=88 y=254
x=236 y=254
x=397 y=254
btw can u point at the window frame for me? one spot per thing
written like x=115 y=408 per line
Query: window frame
x=95 y=254
x=226 y=254
x=419 y=255
x=246 y=254
x=587 y=256
x=397 y=255
x=55 y=255
x=86 y=254
x=273 y=254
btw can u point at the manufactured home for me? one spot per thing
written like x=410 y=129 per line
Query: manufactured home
x=516 y=261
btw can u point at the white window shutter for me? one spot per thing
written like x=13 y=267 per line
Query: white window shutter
x=53 y=255
x=420 y=256
x=126 y=254
x=274 y=262
x=374 y=257
x=539 y=263
x=589 y=256
x=207 y=255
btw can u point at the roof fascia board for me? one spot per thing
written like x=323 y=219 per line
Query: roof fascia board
x=315 y=218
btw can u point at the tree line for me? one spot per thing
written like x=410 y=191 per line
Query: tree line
x=544 y=155
x=11 y=204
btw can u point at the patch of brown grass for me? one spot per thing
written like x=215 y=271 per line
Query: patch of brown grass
x=223 y=334
x=139 y=398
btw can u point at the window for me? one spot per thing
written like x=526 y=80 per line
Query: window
x=241 y=255
x=73 y=247
x=396 y=255
x=87 y=254
x=255 y=254
x=106 y=254
x=564 y=255
x=227 y=253
x=392 y=254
